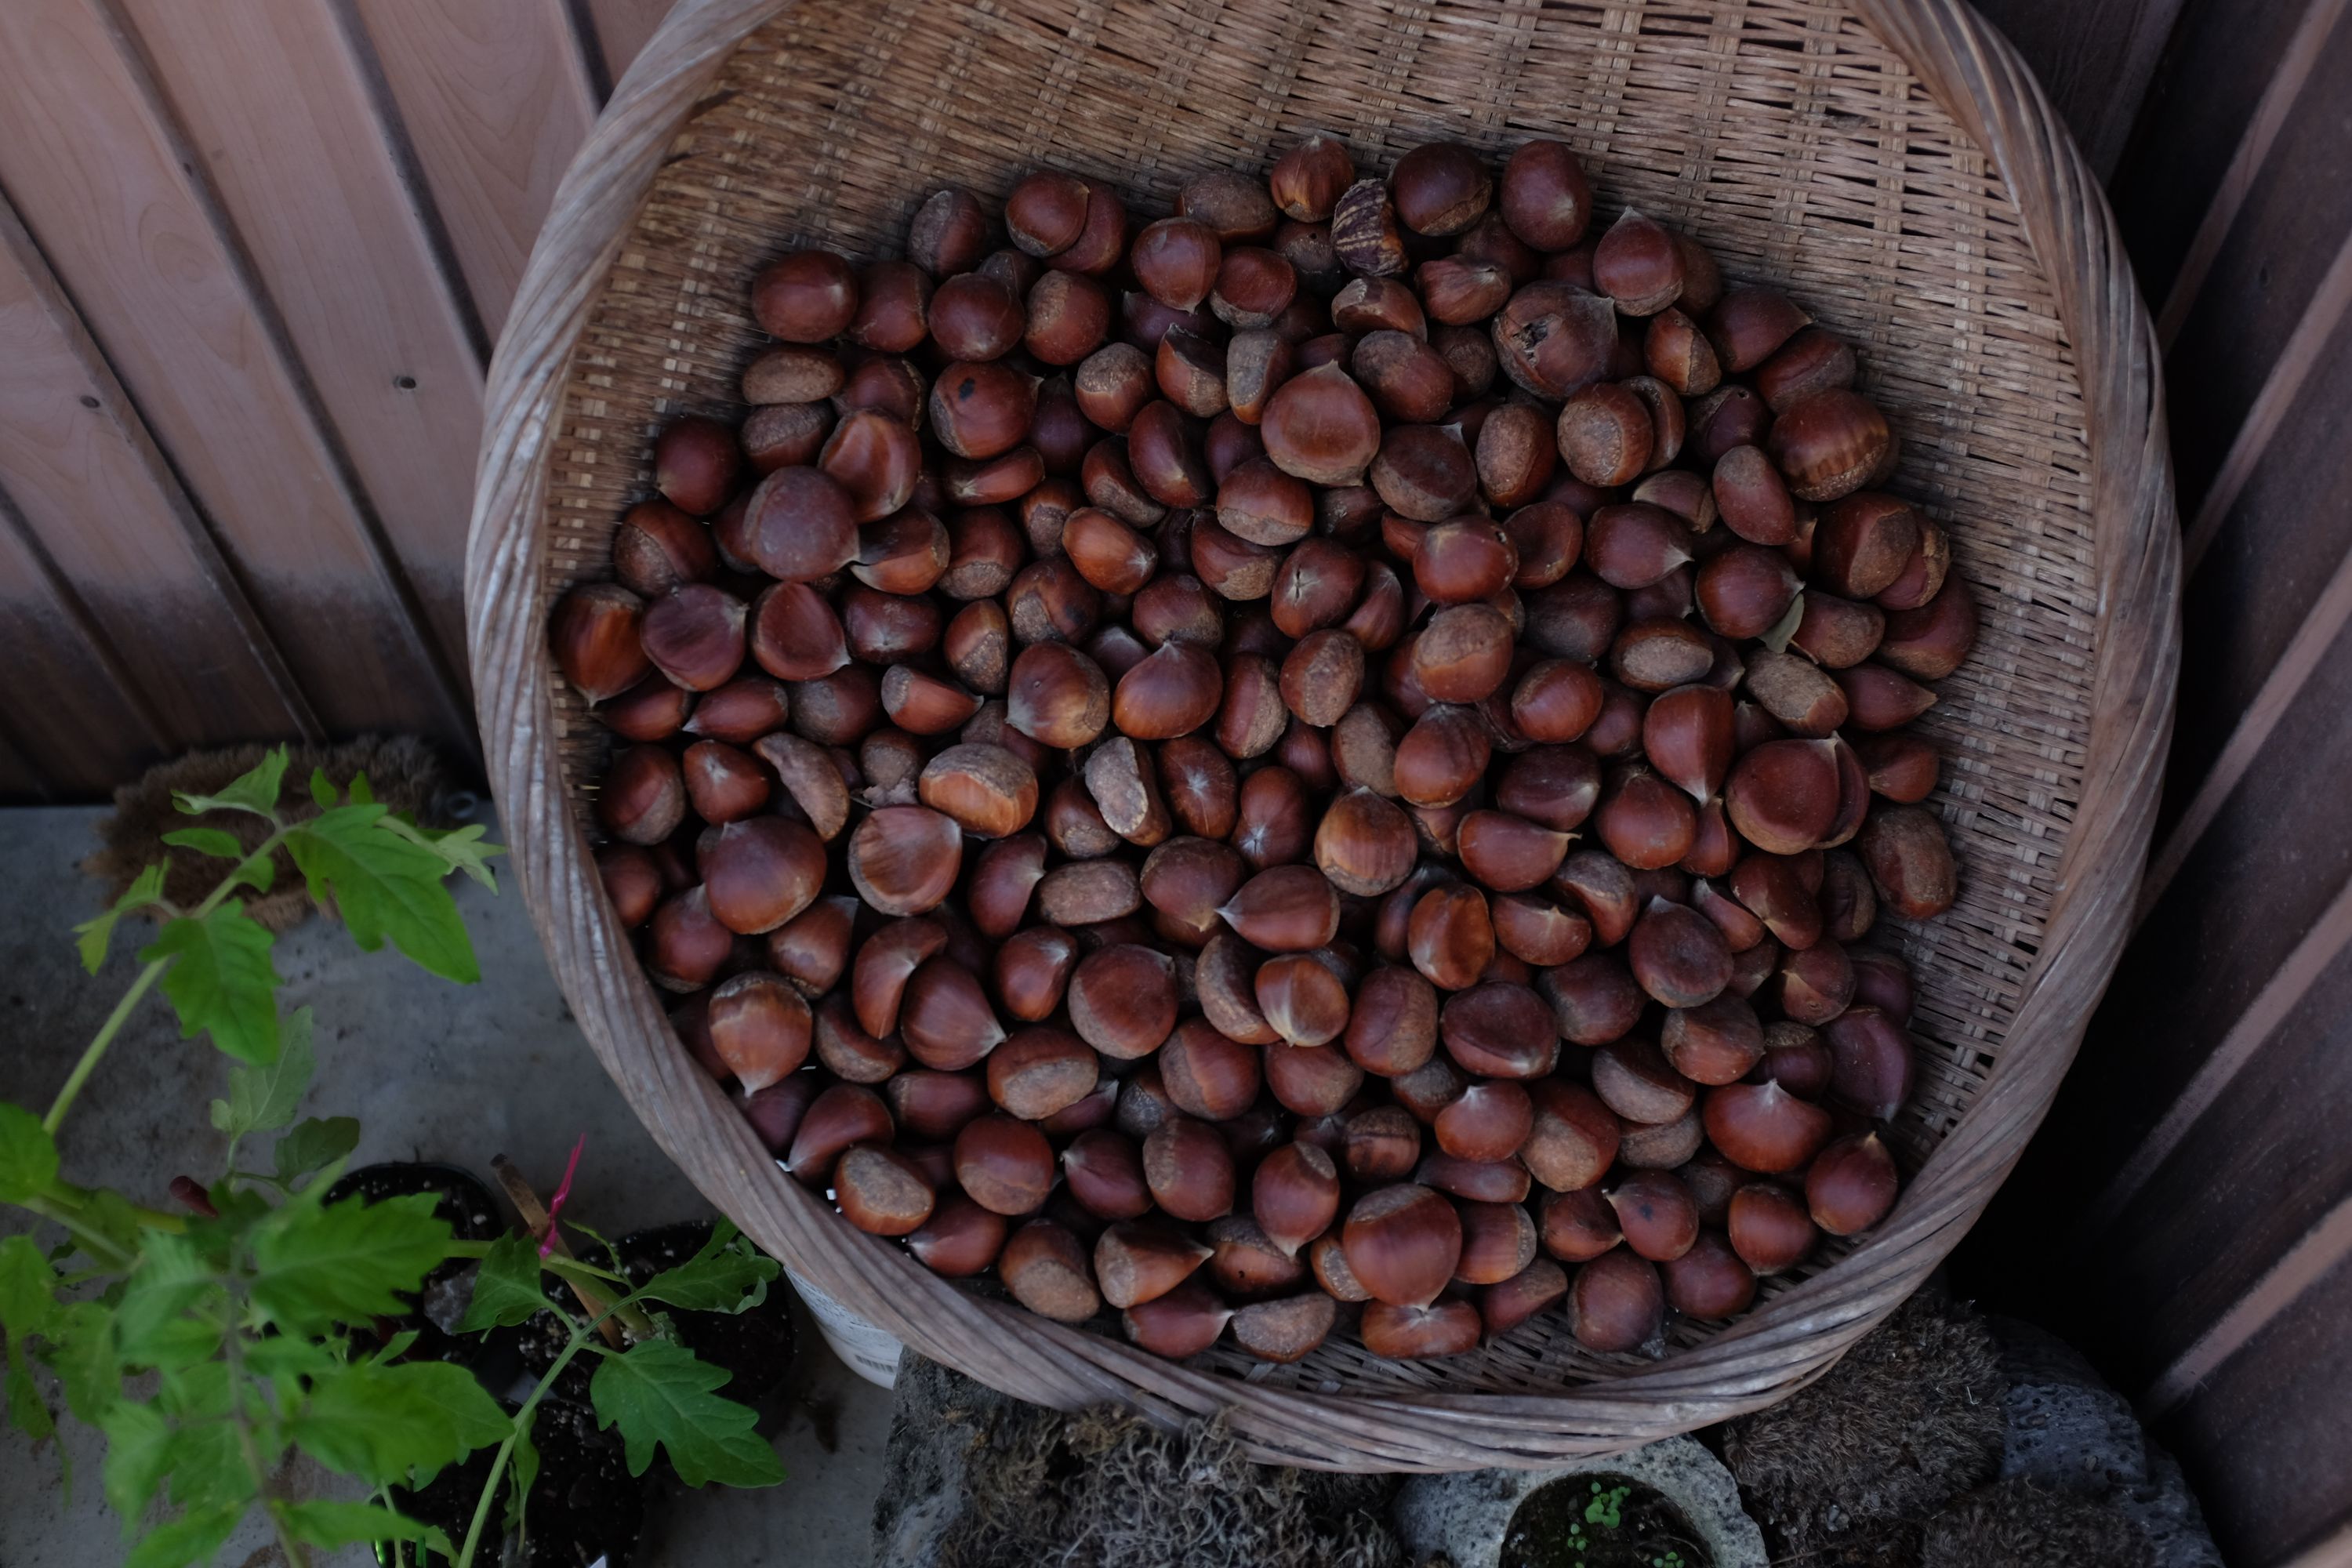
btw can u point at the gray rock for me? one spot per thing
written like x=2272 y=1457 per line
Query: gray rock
x=1467 y=1515
x=2068 y=1430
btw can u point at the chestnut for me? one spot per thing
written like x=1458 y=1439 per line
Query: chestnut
x=1183 y=1322
x=1402 y=1243
x=805 y=297
x=1850 y=1184
x=1616 y=1302
x=1047 y=1270
x=1769 y=1228
x=1710 y=1280
x=881 y=1191
x=1763 y=1127
x=1910 y=861
x=1657 y=1215
x=1545 y=197
x=1829 y=444
x=843 y=1115
x=1189 y=1169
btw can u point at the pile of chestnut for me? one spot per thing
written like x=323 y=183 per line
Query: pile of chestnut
x=1324 y=754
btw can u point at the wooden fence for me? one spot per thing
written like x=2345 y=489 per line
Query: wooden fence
x=252 y=255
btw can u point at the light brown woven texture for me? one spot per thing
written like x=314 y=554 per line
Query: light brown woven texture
x=1889 y=161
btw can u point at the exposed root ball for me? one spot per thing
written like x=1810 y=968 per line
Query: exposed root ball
x=1849 y=1466
x=2016 y=1524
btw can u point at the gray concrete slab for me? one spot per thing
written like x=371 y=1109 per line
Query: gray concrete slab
x=434 y=1071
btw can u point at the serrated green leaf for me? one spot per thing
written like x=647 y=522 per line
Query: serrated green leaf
x=312 y=1144
x=207 y=1466
x=96 y=934
x=383 y=886
x=152 y=1325
x=194 y=1537
x=505 y=1287
x=322 y=790
x=209 y=841
x=378 y=1423
x=341 y=1523
x=29 y=1155
x=726 y=1276
x=657 y=1393
x=82 y=1352
x=221 y=980
x=286 y=1357
x=28 y=1289
x=256 y=871
x=345 y=1262
x=28 y=1411
x=461 y=848
x=263 y=1097
x=138 y=1443
x=255 y=791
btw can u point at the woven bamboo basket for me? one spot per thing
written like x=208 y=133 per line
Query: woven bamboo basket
x=1889 y=161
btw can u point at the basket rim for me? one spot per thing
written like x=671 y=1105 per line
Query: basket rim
x=1976 y=77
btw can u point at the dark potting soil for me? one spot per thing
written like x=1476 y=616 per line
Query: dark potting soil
x=466 y=1207
x=585 y=1504
x=1600 y=1521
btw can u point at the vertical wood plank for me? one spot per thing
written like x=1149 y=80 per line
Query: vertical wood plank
x=65 y=707
x=92 y=488
x=97 y=173
x=495 y=98
x=271 y=95
x=623 y=26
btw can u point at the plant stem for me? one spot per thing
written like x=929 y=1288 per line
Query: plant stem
x=522 y=1419
x=101 y=1249
x=139 y=988
x=233 y=1342
x=78 y=1197
x=97 y=1047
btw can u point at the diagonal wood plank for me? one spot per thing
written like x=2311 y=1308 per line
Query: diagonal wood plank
x=272 y=97
x=109 y=191
x=494 y=97
x=92 y=488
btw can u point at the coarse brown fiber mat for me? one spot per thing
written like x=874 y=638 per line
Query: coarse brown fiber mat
x=1891 y=164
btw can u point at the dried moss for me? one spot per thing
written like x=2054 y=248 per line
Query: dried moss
x=1848 y=1469
x=403 y=771
x=1106 y=1490
x=2016 y=1524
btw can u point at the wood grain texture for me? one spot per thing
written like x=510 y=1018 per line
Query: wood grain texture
x=2186 y=1246
x=2095 y=59
x=616 y=279
x=2268 y=1425
x=2290 y=234
x=622 y=30
x=90 y=486
x=274 y=100
x=98 y=172
x=495 y=98
x=83 y=728
x=2208 y=86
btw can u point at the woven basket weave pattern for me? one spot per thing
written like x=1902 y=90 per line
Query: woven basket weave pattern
x=1792 y=139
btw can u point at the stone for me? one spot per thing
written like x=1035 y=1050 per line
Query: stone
x=1466 y=1516
x=2069 y=1431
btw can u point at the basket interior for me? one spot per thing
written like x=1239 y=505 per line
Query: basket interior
x=1781 y=133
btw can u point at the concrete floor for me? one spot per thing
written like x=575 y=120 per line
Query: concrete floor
x=434 y=1071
